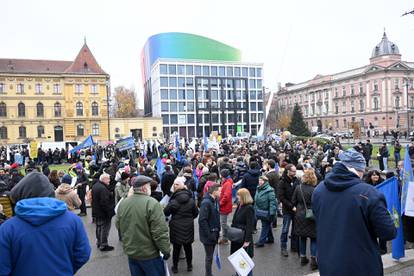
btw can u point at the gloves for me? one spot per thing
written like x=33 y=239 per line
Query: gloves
x=166 y=256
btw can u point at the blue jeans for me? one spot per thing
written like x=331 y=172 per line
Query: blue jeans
x=302 y=247
x=287 y=219
x=266 y=234
x=152 y=267
x=397 y=158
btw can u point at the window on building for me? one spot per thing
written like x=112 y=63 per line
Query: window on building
x=214 y=71
x=58 y=109
x=375 y=103
x=375 y=85
x=173 y=107
x=197 y=70
x=411 y=101
x=222 y=71
x=237 y=71
x=336 y=92
x=190 y=106
x=3 y=132
x=78 y=88
x=189 y=70
x=22 y=132
x=165 y=119
x=2 y=88
x=3 y=110
x=172 y=81
x=21 y=110
x=396 y=83
x=397 y=102
x=181 y=107
x=79 y=109
x=38 y=88
x=163 y=69
x=352 y=106
x=352 y=89
x=180 y=70
x=172 y=69
x=94 y=89
x=173 y=94
x=40 y=112
x=80 y=130
x=95 y=109
x=40 y=131
x=181 y=82
x=173 y=119
x=337 y=123
x=345 y=124
x=244 y=71
x=56 y=88
x=164 y=82
x=189 y=82
x=190 y=119
x=343 y=106
x=343 y=91
x=206 y=70
x=95 y=129
x=20 y=88
x=164 y=107
x=361 y=88
x=190 y=94
x=252 y=72
x=229 y=71
x=361 y=105
x=253 y=106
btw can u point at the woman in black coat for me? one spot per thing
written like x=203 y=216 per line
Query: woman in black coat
x=183 y=211
x=243 y=218
x=305 y=227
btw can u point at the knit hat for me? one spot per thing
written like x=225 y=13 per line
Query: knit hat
x=79 y=166
x=35 y=184
x=67 y=179
x=124 y=175
x=180 y=180
x=141 y=180
x=353 y=159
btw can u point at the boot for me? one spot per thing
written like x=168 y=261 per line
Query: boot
x=304 y=260
x=313 y=263
x=284 y=252
x=189 y=267
x=174 y=269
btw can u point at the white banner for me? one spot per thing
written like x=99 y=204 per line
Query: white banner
x=409 y=203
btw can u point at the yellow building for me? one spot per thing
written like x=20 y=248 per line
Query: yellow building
x=146 y=128
x=48 y=100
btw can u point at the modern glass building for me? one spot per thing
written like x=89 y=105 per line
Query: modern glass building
x=198 y=85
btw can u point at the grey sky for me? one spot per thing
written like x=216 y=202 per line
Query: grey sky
x=295 y=39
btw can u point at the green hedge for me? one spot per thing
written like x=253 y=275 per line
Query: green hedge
x=319 y=141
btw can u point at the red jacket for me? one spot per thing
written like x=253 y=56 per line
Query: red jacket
x=226 y=204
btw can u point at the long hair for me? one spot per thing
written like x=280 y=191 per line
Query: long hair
x=245 y=196
x=309 y=177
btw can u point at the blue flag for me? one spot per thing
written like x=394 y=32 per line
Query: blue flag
x=205 y=143
x=195 y=178
x=177 y=145
x=160 y=168
x=390 y=190
x=407 y=177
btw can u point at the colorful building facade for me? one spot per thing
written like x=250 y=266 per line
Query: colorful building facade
x=379 y=95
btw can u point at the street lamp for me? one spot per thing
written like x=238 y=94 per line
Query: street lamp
x=108 y=88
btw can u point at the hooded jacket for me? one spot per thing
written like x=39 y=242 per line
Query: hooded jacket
x=250 y=181
x=350 y=216
x=226 y=200
x=65 y=193
x=44 y=238
x=35 y=184
x=265 y=199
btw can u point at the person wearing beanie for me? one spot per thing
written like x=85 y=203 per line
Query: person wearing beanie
x=226 y=200
x=51 y=239
x=143 y=244
x=343 y=204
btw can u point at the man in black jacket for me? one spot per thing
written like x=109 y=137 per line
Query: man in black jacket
x=367 y=152
x=250 y=179
x=103 y=209
x=167 y=180
x=286 y=188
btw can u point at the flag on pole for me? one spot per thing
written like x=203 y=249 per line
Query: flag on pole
x=195 y=177
x=177 y=145
x=160 y=167
x=205 y=143
x=390 y=190
x=407 y=177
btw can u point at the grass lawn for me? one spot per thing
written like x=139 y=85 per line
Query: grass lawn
x=63 y=167
x=375 y=163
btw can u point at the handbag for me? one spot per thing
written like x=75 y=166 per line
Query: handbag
x=309 y=212
x=262 y=214
x=233 y=234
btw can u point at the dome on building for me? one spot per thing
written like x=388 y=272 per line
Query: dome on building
x=385 y=47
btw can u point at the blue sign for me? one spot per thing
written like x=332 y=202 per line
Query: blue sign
x=125 y=143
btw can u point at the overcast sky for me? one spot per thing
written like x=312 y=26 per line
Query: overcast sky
x=295 y=40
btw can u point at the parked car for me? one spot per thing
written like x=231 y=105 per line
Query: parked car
x=325 y=136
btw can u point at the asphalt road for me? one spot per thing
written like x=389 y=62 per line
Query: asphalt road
x=268 y=261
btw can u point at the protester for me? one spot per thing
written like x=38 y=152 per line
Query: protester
x=67 y=194
x=265 y=207
x=286 y=188
x=44 y=238
x=167 y=180
x=243 y=218
x=383 y=157
x=81 y=184
x=183 y=211
x=346 y=206
x=154 y=193
x=144 y=232
x=103 y=208
x=250 y=179
x=226 y=204
x=209 y=224
x=304 y=223
x=122 y=187
x=5 y=200
x=54 y=178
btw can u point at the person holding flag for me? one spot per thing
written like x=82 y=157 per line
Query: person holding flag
x=407 y=179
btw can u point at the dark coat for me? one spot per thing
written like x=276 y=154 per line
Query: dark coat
x=244 y=218
x=241 y=169
x=350 y=216
x=250 y=181
x=209 y=221
x=274 y=180
x=167 y=181
x=285 y=192
x=103 y=203
x=183 y=211
x=303 y=227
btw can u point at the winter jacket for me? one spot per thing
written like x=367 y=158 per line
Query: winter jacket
x=303 y=227
x=244 y=218
x=250 y=181
x=209 y=221
x=121 y=190
x=240 y=170
x=274 y=180
x=357 y=215
x=144 y=232
x=44 y=238
x=265 y=199
x=183 y=211
x=167 y=180
x=103 y=204
x=226 y=200
x=285 y=192
x=65 y=193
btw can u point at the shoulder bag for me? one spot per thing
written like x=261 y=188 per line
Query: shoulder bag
x=309 y=212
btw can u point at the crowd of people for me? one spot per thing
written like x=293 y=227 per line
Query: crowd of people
x=156 y=194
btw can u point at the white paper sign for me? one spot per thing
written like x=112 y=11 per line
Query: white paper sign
x=164 y=201
x=241 y=262
x=409 y=203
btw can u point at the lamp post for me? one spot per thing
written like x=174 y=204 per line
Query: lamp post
x=408 y=108
x=108 y=88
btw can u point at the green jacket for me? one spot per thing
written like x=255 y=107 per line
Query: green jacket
x=143 y=228
x=265 y=199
